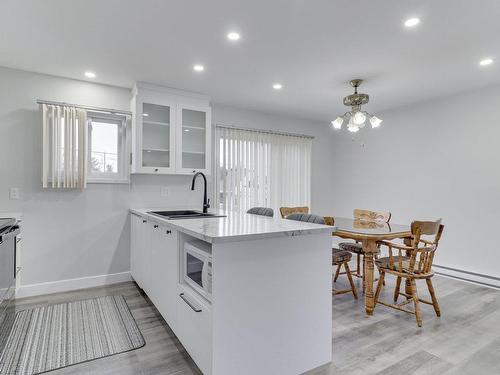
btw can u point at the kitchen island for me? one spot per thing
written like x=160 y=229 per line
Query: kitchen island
x=269 y=310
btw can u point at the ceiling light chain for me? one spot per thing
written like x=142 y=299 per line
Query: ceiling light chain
x=356 y=117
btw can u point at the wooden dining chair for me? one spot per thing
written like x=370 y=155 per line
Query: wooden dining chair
x=339 y=257
x=263 y=211
x=285 y=211
x=356 y=247
x=415 y=264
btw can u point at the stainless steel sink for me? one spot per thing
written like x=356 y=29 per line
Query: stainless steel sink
x=183 y=214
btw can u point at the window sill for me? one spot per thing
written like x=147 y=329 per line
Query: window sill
x=108 y=182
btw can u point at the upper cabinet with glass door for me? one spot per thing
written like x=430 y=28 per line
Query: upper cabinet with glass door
x=193 y=142
x=171 y=131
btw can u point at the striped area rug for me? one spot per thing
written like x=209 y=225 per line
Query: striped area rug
x=51 y=337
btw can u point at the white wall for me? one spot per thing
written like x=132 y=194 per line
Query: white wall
x=75 y=234
x=432 y=160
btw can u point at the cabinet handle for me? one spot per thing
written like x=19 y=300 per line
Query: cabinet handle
x=156 y=169
x=155 y=226
x=195 y=309
x=169 y=231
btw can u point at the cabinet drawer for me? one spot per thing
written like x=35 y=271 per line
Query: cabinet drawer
x=194 y=327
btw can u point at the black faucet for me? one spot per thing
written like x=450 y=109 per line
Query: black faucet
x=206 y=202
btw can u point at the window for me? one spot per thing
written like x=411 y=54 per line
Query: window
x=262 y=169
x=107 y=159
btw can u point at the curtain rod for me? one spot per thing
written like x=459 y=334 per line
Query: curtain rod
x=98 y=109
x=265 y=131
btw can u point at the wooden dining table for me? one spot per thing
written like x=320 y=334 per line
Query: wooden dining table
x=368 y=233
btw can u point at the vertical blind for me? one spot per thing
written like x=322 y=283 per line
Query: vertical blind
x=261 y=169
x=64 y=146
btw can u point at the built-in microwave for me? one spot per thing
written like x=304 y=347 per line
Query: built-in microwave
x=198 y=268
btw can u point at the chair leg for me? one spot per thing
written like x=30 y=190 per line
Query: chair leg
x=337 y=273
x=379 y=286
x=349 y=276
x=433 y=296
x=416 y=302
x=397 y=289
x=358 y=264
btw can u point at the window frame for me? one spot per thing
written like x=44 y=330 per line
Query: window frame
x=123 y=165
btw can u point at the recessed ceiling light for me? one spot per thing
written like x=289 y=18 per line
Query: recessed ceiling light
x=89 y=74
x=411 y=22
x=186 y=130
x=145 y=114
x=277 y=86
x=198 y=68
x=485 y=62
x=233 y=36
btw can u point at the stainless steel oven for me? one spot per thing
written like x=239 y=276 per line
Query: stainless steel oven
x=8 y=271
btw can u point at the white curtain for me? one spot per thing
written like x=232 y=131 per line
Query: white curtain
x=261 y=169
x=64 y=147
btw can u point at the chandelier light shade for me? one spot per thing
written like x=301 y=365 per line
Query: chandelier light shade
x=356 y=118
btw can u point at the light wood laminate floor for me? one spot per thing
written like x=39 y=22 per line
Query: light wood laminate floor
x=465 y=340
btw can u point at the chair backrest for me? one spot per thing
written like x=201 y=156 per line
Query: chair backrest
x=422 y=255
x=371 y=215
x=263 y=211
x=309 y=218
x=329 y=220
x=285 y=211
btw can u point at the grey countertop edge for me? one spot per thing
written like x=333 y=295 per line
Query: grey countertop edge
x=237 y=238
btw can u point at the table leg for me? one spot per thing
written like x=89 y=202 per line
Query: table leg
x=369 y=247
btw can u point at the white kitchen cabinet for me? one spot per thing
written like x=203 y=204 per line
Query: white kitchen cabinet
x=171 y=131
x=140 y=251
x=194 y=139
x=164 y=272
x=135 y=232
x=194 y=327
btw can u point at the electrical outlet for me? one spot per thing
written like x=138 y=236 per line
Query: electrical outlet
x=14 y=193
x=164 y=191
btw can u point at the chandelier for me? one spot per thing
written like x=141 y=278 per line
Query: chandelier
x=356 y=117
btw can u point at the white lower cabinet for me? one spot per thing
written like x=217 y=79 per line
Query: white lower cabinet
x=135 y=262
x=155 y=265
x=164 y=272
x=140 y=251
x=194 y=327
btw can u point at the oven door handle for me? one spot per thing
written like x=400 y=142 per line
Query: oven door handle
x=195 y=309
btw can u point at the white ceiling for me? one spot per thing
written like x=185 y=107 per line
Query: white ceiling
x=313 y=47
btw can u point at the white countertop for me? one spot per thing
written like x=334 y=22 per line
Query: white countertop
x=236 y=226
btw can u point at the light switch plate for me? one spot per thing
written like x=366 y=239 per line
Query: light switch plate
x=14 y=193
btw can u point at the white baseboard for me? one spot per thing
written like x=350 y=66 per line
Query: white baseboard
x=71 y=284
x=472 y=277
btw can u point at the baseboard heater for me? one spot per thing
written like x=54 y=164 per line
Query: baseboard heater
x=472 y=277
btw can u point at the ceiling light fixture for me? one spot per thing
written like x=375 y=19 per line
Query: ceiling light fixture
x=277 y=86
x=412 y=22
x=356 y=117
x=233 y=36
x=486 y=62
x=89 y=74
x=198 y=68
x=145 y=114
